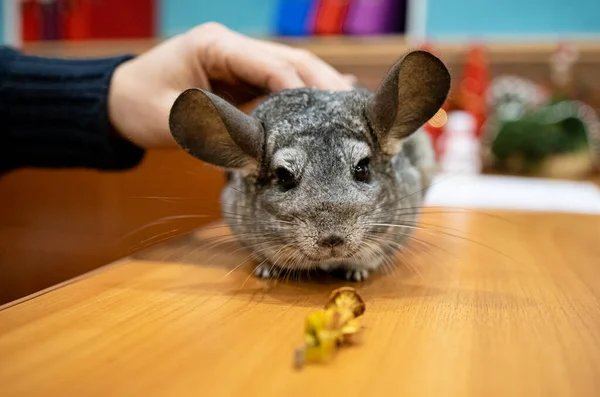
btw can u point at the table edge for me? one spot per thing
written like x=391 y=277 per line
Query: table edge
x=66 y=283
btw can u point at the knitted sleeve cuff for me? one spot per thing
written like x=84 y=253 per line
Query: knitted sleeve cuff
x=54 y=114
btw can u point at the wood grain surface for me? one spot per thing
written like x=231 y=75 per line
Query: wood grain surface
x=485 y=304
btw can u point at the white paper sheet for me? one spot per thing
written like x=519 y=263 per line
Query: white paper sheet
x=514 y=193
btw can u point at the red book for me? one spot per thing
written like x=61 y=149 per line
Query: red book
x=119 y=19
x=331 y=17
x=31 y=20
x=76 y=17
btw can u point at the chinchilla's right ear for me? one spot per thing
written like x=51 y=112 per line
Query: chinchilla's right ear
x=410 y=94
x=214 y=131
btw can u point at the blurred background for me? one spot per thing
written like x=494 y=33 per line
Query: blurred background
x=524 y=102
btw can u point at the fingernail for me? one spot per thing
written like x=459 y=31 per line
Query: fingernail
x=350 y=78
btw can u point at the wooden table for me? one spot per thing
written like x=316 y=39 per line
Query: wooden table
x=497 y=304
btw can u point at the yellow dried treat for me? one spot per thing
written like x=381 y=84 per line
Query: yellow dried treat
x=346 y=298
x=325 y=330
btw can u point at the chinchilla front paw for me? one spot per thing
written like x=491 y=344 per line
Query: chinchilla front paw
x=357 y=274
x=266 y=270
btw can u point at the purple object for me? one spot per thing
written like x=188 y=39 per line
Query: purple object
x=372 y=17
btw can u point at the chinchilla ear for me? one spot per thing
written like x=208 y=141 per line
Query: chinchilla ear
x=410 y=94
x=215 y=131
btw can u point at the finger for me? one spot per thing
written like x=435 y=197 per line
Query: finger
x=283 y=78
x=259 y=66
x=315 y=72
x=351 y=79
x=236 y=59
x=273 y=76
x=237 y=93
x=323 y=76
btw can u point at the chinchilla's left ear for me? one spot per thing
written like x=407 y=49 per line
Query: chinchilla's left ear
x=411 y=93
x=215 y=131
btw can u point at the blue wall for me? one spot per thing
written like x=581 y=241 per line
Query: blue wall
x=489 y=19
x=2 y=22
x=253 y=17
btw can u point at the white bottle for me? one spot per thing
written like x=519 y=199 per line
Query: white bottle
x=461 y=151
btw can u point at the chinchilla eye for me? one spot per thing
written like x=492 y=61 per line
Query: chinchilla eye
x=285 y=178
x=362 y=172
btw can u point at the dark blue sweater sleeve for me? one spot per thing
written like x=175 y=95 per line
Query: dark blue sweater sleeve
x=53 y=113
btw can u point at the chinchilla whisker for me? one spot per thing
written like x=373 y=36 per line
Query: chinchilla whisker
x=387 y=259
x=214 y=245
x=446 y=210
x=248 y=236
x=430 y=226
x=254 y=248
x=438 y=232
x=416 y=211
x=372 y=254
x=237 y=267
x=424 y=229
x=161 y=221
x=371 y=250
x=199 y=204
x=398 y=247
x=395 y=225
x=174 y=198
x=249 y=223
x=249 y=257
x=218 y=242
x=411 y=237
x=286 y=274
x=234 y=215
x=428 y=250
x=253 y=272
x=281 y=266
x=276 y=257
x=389 y=264
x=405 y=261
x=292 y=269
x=409 y=264
x=434 y=228
x=375 y=253
x=431 y=185
x=152 y=240
x=277 y=222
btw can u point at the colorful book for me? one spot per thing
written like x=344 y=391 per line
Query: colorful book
x=294 y=17
x=122 y=19
x=107 y=19
x=76 y=19
x=331 y=16
x=50 y=19
x=31 y=20
x=375 y=17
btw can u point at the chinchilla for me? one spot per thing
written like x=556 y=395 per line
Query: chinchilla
x=322 y=179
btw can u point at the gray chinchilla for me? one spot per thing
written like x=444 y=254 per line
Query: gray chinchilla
x=322 y=179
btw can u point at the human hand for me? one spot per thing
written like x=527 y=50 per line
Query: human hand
x=214 y=58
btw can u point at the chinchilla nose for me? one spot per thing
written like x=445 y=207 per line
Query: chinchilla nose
x=331 y=241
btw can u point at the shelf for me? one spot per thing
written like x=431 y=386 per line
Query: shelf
x=356 y=51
